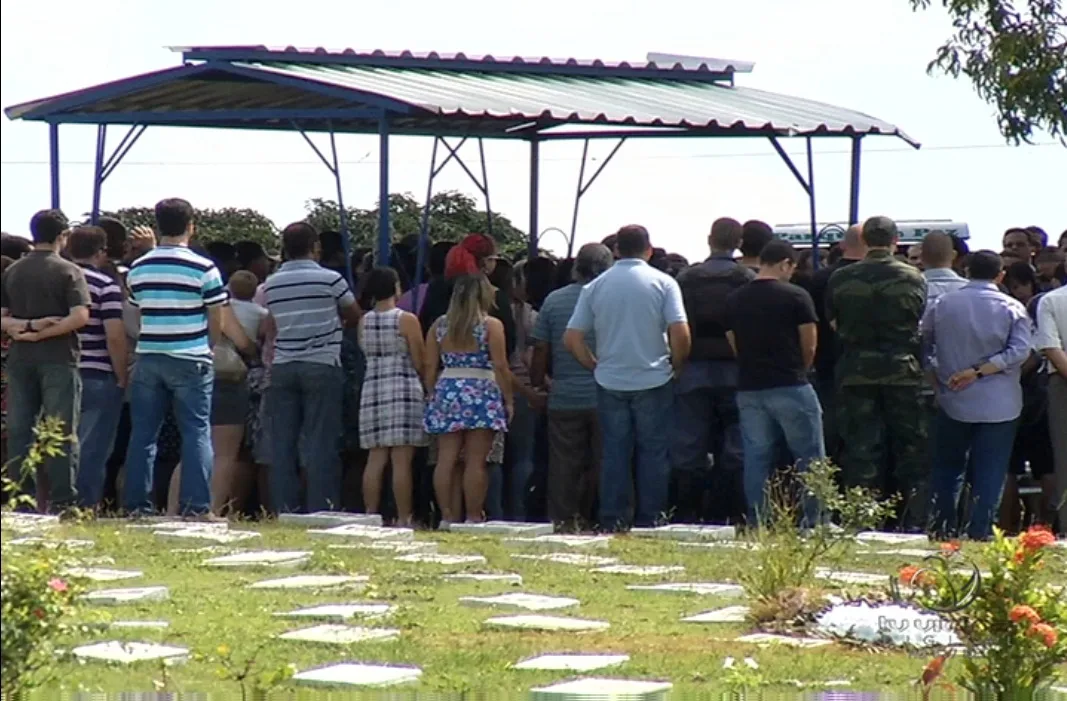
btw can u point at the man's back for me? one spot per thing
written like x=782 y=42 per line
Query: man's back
x=305 y=299
x=877 y=305
x=172 y=287
x=705 y=289
x=39 y=285
x=629 y=309
x=573 y=387
x=826 y=351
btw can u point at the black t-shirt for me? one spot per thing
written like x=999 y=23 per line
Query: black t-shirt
x=764 y=316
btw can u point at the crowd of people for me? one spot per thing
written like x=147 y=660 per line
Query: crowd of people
x=624 y=387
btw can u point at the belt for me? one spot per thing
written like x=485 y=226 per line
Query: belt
x=468 y=374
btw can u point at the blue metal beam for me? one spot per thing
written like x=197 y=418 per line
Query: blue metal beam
x=854 y=182
x=384 y=235
x=122 y=149
x=53 y=162
x=424 y=228
x=584 y=186
x=811 y=207
x=98 y=172
x=454 y=153
x=341 y=211
x=193 y=116
x=535 y=184
x=450 y=156
x=485 y=190
x=789 y=162
x=603 y=164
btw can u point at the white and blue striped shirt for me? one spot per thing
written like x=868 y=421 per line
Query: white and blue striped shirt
x=305 y=300
x=173 y=287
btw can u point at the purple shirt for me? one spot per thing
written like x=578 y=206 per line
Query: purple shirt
x=972 y=326
x=407 y=300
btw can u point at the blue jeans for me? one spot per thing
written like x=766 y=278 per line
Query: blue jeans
x=634 y=422
x=101 y=410
x=304 y=403
x=768 y=417
x=159 y=380
x=988 y=447
x=520 y=438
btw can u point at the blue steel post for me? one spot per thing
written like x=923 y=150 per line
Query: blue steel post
x=98 y=172
x=578 y=195
x=53 y=162
x=854 y=185
x=535 y=177
x=811 y=208
x=424 y=228
x=384 y=236
x=485 y=190
x=341 y=211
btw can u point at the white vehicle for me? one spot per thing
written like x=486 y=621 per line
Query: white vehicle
x=911 y=231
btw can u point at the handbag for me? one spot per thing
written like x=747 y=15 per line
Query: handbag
x=229 y=366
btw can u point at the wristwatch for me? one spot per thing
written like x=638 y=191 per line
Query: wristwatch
x=978 y=371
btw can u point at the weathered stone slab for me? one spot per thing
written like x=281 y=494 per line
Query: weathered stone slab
x=27 y=523
x=891 y=624
x=38 y=542
x=212 y=535
x=541 y=622
x=340 y=612
x=503 y=578
x=512 y=528
x=442 y=559
x=337 y=634
x=730 y=614
x=126 y=596
x=640 y=570
x=388 y=547
x=355 y=674
x=861 y=578
x=914 y=553
x=261 y=558
x=772 y=639
x=167 y=523
x=354 y=530
x=330 y=519
x=884 y=538
x=99 y=574
x=529 y=602
x=558 y=542
x=719 y=544
x=127 y=653
x=701 y=588
x=155 y=625
x=312 y=581
x=572 y=663
x=687 y=532
x=576 y=559
x=591 y=688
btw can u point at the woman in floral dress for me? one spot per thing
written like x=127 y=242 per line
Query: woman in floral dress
x=471 y=396
x=392 y=400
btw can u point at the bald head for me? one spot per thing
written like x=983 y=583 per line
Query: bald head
x=725 y=235
x=853 y=247
x=938 y=250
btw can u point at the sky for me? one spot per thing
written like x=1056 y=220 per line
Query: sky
x=872 y=61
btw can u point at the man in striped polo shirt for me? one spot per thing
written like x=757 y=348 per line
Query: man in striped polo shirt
x=179 y=295
x=306 y=303
x=103 y=363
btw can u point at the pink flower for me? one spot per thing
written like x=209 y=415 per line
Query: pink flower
x=57 y=585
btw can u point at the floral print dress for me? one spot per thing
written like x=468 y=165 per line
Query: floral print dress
x=466 y=403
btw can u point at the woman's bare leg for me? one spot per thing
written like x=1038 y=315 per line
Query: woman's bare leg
x=372 y=480
x=402 y=455
x=475 y=476
x=448 y=446
x=226 y=443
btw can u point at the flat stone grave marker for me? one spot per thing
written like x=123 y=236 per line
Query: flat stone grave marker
x=99 y=561
x=592 y=688
x=340 y=612
x=887 y=623
x=205 y=550
x=126 y=596
x=512 y=528
x=687 y=532
x=730 y=614
x=577 y=559
x=902 y=552
x=701 y=588
x=862 y=578
x=640 y=570
x=329 y=519
x=213 y=535
x=884 y=538
x=572 y=663
x=128 y=653
x=735 y=544
x=165 y=523
x=505 y=578
x=356 y=674
x=38 y=542
x=442 y=559
x=25 y=523
x=337 y=634
x=772 y=639
x=574 y=542
x=530 y=602
x=261 y=558
x=311 y=581
x=98 y=574
x=354 y=530
x=387 y=547
x=542 y=622
x=158 y=625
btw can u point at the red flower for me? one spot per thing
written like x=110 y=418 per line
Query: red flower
x=1046 y=632
x=57 y=585
x=950 y=548
x=1024 y=613
x=910 y=575
x=1019 y=557
x=39 y=613
x=1036 y=538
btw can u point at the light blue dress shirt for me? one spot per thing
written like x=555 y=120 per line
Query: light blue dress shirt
x=972 y=326
x=629 y=309
x=939 y=281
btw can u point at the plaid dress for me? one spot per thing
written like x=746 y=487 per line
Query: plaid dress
x=391 y=403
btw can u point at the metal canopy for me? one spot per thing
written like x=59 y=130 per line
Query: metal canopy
x=449 y=95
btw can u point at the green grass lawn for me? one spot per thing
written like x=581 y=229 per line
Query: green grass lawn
x=212 y=608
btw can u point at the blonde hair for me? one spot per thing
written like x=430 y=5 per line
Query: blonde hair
x=472 y=298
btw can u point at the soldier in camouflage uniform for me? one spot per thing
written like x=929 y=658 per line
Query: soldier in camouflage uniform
x=876 y=306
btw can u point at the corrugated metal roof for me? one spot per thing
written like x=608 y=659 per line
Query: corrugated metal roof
x=645 y=102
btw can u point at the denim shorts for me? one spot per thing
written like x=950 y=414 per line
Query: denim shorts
x=229 y=403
